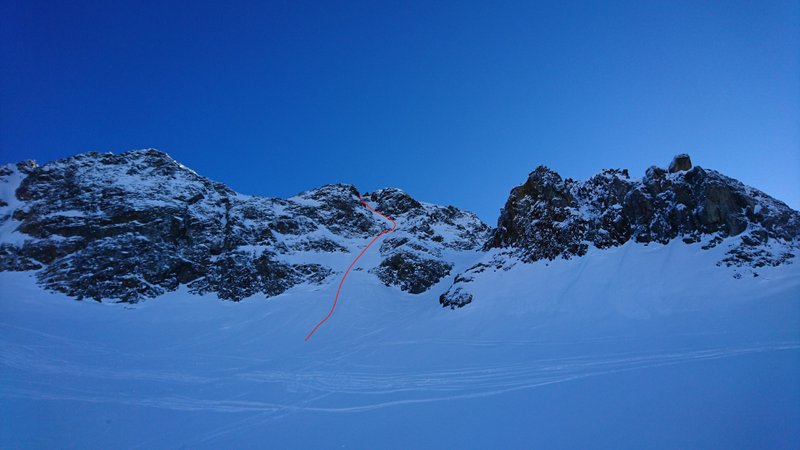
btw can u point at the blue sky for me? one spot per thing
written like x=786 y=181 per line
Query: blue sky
x=455 y=102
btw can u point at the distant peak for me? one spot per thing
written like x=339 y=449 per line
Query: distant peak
x=542 y=170
x=148 y=154
x=388 y=192
x=394 y=200
x=330 y=190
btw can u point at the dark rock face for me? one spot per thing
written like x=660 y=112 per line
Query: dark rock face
x=139 y=224
x=541 y=212
x=411 y=272
x=455 y=297
x=680 y=162
x=238 y=275
x=11 y=260
x=549 y=217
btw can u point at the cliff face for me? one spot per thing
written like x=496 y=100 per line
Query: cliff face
x=138 y=224
x=549 y=217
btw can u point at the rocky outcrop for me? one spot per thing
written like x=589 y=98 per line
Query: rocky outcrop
x=411 y=272
x=138 y=224
x=549 y=217
x=680 y=162
x=413 y=255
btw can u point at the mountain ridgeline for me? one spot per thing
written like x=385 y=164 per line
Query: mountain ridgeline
x=549 y=217
x=138 y=224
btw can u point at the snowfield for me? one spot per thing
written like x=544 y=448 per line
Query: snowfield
x=630 y=347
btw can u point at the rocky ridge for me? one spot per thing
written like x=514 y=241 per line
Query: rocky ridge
x=138 y=224
x=550 y=217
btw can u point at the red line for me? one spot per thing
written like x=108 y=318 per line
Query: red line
x=339 y=290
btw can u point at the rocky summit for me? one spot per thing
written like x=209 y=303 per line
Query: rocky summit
x=139 y=224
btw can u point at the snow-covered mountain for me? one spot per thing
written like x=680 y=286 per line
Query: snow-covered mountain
x=549 y=217
x=139 y=224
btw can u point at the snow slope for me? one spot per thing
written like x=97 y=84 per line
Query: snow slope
x=632 y=346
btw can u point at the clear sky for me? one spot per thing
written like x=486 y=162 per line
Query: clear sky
x=455 y=102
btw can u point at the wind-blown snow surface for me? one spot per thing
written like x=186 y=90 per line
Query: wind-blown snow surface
x=634 y=346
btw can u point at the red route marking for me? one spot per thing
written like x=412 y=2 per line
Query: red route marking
x=339 y=290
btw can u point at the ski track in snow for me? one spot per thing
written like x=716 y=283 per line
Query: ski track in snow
x=341 y=392
x=355 y=391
